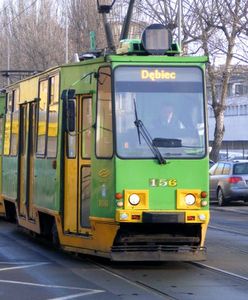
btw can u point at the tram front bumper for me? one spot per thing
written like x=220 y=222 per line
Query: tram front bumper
x=160 y=253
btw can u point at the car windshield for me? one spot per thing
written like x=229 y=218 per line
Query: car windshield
x=168 y=103
x=241 y=168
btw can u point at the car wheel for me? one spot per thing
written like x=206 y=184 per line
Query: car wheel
x=221 y=198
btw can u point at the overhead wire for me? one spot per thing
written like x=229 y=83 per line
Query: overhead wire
x=18 y=15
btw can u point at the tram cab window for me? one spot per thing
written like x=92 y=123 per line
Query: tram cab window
x=104 y=131
x=144 y=94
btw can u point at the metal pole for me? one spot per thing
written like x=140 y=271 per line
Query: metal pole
x=66 y=36
x=108 y=32
x=180 y=23
x=8 y=58
x=127 y=20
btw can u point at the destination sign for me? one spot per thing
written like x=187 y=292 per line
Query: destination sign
x=157 y=75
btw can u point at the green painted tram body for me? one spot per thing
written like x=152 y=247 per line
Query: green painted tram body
x=46 y=192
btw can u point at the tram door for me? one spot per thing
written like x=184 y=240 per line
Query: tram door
x=77 y=175
x=26 y=159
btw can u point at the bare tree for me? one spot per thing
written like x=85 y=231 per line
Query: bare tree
x=34 y=34
x=220 y=22
x=83 y=18
x=216 y=28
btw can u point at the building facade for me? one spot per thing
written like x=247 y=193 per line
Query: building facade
x=235 y=142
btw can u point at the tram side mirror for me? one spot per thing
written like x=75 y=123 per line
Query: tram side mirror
x=68 y=96
x=71 y=115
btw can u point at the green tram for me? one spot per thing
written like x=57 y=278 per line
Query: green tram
x=88 y=161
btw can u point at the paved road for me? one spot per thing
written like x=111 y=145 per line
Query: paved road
x=32 y=270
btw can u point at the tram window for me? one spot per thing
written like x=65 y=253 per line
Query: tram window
x=72 y=135
x=23 y=127
x=7 y=134
x=53 y=109
x=104 y=132
x=15 y=122
x=11 y=123
x=7 y=129
x=86 y=132
x=1 y=133
x=42 y=121
x=71 y=152
x=85 y=196
x=9 y=102
x=1 y=127
x=16 y=99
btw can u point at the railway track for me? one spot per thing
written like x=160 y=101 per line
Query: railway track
x=120 y=273
x=226 y=273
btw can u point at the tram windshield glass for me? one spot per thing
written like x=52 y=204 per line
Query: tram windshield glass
x=159 y=108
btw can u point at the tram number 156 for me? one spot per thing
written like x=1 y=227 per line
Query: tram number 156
x=153 y=182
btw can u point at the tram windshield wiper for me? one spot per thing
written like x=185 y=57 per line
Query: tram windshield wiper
x=142 y=131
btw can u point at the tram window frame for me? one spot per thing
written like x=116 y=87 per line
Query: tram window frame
x=7 y=130
x=23 y=130
x=2 y=129
x=99 y=140
x=1 y=133
x=53 y=100
x=12 y=109
x=15 y=116
x=42 y=153
x=71 y=141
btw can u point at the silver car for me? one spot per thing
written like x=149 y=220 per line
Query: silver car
x=229 y=181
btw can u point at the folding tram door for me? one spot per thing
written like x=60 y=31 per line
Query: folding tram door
x=26 y=160
x=77 y=176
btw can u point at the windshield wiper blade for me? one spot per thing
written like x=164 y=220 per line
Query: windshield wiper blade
x=136 y=120
x=142 y=131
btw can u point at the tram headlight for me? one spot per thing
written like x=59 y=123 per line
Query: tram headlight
x=190 y=199
x=134 y=199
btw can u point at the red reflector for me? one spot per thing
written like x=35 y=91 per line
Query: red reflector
x=204 y=194
x=190 y=218
x=118 y=196
x=135 y=217
x=234 y=179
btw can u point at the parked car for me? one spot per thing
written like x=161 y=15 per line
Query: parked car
x=211 y=163
x=229 y=181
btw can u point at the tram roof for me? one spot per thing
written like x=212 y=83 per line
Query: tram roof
x=119 y=59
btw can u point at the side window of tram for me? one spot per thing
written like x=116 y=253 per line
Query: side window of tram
x=7 y=129
x=104 y=132
x=11 y=123
x=42 y=121
x=53 y=107
x=15 y=123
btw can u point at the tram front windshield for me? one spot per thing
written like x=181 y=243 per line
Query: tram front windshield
x=161 y=107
